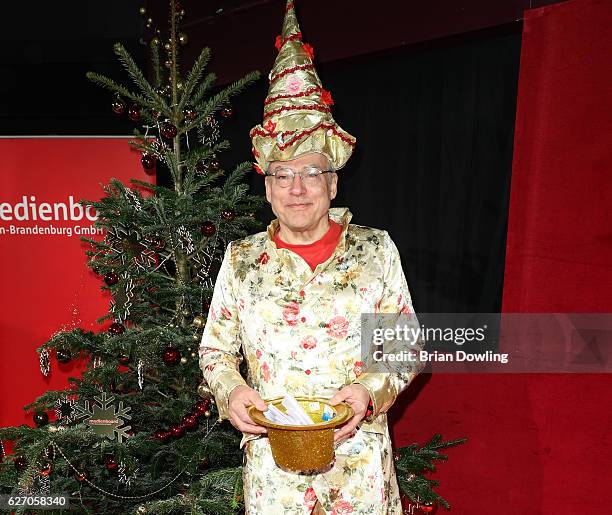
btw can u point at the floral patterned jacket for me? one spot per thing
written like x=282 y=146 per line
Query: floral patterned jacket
x=300 y=330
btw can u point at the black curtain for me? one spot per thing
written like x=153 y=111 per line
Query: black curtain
x=434 y=126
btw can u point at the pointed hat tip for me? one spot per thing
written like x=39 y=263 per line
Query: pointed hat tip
x=290 y=24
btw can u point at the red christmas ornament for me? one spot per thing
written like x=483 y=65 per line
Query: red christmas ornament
x=201 y=167
x=228 y=215
x=111 y=463
x=162 y=436
x=177 y=431
x=20 y=463
x=214 y=164
x=81 y=476
x=190 y=114
x=168 y=130
x=116 y=328
x=45 y=469
x=158 y=243
x=410 y=507
x=124 y=359
x=190 y=422
x=227 y=112
x=40 y=419
x=204 y=464
x=134 y=113
x=208 y=229
x=171 y=356
x=111 y=278
x=118 y=107
x=148 y=162
x=62 y=356
x=201 y=406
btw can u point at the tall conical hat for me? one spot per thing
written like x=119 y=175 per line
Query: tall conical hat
x=297 y=116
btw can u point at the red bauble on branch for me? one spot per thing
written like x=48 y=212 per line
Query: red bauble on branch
x=20 y=463
x=116 y=328
x=190 y=422
x=168 y=129
x=171 y=356
x=148 y=162
x=227 y=112
x=410 y=507
x=228 y=215
x=62 y=356
x=134 y=113
x=202 y=406
x=208 y=229
x=162 y=436
x=111 y=278
x=111 y=463
x=177 y=431
x=118 y=107
x=40 y=419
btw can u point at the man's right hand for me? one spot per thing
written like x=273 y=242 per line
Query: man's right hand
x=240 y=399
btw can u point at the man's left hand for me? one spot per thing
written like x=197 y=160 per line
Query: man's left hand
x=358 y=398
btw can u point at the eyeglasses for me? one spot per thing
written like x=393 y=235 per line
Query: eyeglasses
x=284 y=177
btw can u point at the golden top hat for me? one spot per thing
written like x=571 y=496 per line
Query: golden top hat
x=304 y=448
x=297 y=114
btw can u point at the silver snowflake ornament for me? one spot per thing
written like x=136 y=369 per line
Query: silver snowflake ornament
x=105 y=418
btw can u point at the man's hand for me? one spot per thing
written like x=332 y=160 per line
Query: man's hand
x=358 y=398
x=240 y=399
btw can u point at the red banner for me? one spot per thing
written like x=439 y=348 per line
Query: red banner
x=45 y=284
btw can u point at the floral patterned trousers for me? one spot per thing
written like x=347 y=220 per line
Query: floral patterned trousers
x=355 y=484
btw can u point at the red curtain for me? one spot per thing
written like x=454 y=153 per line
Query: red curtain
x=539 y=443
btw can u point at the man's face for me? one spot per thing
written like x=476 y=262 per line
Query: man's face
x=300 y=207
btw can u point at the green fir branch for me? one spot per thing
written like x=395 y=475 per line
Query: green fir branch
x=156 y=65
x=193 y=77
x=203 y=88
x=137 y=76
x=213 y=104
x=111 y=85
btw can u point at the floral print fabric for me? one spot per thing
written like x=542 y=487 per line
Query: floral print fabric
x=299 y=331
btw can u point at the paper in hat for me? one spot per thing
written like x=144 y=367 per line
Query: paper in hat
x=297 y=114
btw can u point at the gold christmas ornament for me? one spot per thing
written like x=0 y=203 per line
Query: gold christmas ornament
x=297 y=114
x=142 y=10
x=204 y=391
x=304 y=448
x=198 y=322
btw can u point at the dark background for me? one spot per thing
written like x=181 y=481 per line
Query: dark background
x=429 y=90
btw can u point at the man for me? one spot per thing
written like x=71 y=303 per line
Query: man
x=292 y=299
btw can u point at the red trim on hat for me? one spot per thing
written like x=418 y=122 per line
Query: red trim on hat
x=256 y=131
x=291 y=70
x=311 y=107
x=280 y=41
x=304 y=93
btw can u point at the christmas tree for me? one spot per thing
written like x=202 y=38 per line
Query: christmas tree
x=138 y=432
